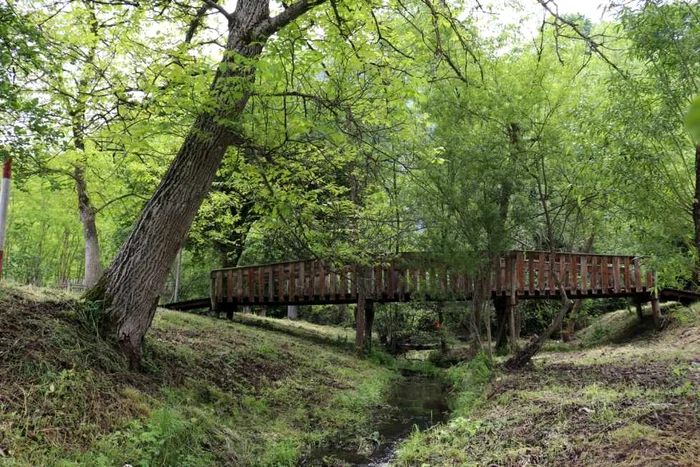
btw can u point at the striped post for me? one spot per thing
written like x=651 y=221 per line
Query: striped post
x=4 y=203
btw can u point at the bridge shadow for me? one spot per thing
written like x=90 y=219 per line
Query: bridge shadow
x=336 y=337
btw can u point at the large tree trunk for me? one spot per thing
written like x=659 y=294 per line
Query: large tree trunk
x=130 y=286
x=93 y=268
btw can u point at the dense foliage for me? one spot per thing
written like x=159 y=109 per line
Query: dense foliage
x=372 y=127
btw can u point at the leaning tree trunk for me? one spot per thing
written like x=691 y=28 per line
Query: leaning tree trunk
x=522 y=358
x=93 y=268
x=130 y=287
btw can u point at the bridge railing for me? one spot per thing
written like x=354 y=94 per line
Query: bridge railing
x=528 y=274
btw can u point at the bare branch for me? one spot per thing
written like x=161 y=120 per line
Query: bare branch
x=292 y=12
x=595 y=46
x=221 y=9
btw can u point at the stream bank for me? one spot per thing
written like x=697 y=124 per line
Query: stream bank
x=415 y=400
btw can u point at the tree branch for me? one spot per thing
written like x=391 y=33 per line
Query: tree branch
x=292 y=12
x=595 y=46
x=221 y=9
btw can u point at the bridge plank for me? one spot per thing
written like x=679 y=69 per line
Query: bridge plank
x=292 y=281
x=605 y=286
x=260 y=294
x=219 y=286
x=322 y=279
x=616 y=274
x=594 y=274
x=229 y=286
x=551 y=264
x=271 y=290
x=301 y=292
x=637 y=275
x=531 y=272
x=628 y=275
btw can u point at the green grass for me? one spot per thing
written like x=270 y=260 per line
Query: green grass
x=213 y=393
x=621 y=393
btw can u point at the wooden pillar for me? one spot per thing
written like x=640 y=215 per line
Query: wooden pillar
x=512 y=303
x=229 y=311
x=292 y=311
x=638 y=305
x=360 y=324
x=656 y=311
x=369 y=321
x=499 y=304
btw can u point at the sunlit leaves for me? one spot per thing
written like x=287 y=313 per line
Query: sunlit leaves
x=692 y=120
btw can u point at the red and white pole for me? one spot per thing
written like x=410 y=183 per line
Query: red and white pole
x=4 y=203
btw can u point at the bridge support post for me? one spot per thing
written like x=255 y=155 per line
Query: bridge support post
x=360 y=325
x=499 y=306
x=656 y=311
x=229 y=312
x=512 y=303
x=369 y=322
x=638 y=306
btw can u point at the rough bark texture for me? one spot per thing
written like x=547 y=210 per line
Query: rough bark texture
x=130 y=286
x=93 y=268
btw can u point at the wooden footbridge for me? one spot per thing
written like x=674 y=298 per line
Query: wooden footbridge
x=516 y=275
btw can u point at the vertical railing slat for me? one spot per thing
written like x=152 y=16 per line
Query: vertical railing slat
x=616 y=274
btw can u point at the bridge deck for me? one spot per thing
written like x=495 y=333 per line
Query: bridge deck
x=517 y=274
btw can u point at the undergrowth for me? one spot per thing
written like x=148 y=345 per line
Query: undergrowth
x=622 y=393
x=213 y=392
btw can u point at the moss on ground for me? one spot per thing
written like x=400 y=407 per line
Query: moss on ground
x=213 y=393
x=621 y=394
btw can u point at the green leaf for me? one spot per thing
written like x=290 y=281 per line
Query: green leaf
x=692 y=120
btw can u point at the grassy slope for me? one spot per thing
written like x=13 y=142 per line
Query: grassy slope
x=623 y=394
x=214 y=392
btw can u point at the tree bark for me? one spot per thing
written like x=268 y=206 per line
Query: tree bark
x=93 y=268
x=130 y=286
x=522 y=358
x=178 y=267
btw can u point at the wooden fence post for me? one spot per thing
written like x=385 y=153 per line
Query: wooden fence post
x=360 y=313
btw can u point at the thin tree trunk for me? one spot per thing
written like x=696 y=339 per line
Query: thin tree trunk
x=130 y=286
x=521 y=359
x=93 y=268
x=696 y=219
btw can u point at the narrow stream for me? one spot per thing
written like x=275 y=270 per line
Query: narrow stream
x=415 y=400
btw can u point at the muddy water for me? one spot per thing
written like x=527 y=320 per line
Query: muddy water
x=414 y=401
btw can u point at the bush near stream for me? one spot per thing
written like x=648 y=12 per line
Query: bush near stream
x=213 y=393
